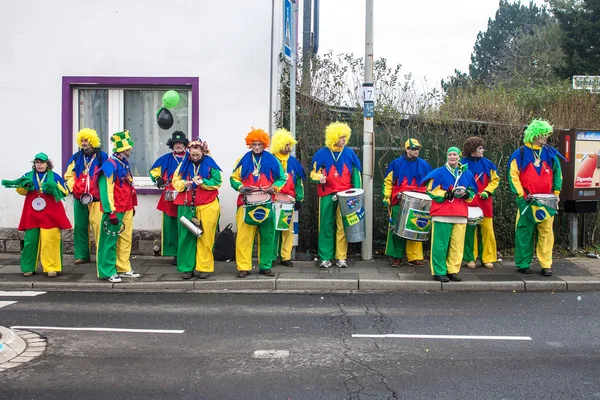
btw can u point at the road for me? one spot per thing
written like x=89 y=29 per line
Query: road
x=546 y=346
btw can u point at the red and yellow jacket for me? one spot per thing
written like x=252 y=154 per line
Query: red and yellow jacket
x=404 y=175
x=443 y=179
x=527 y=178
x=486 y=176
x=340 y=166
x=210 y=173
x=115 y=182
x=269 y=173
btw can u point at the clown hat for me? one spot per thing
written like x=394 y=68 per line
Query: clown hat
x=121 y=141
x=412 y=144
x=178 y=137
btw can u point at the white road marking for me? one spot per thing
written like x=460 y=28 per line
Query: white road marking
x=6 y=303
x=64 y=328
x=271 y=354
x=19 y=294
x=467 y=337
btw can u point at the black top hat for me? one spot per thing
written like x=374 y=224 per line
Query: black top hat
x=178 y=136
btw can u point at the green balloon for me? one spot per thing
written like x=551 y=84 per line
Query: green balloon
x=170 y=99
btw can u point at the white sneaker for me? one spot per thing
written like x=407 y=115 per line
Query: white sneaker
x=129 y=274
x=114 y=279
x=341 y=264
x=325 y=264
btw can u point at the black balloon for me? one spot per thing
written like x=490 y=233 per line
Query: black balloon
x=164 y=119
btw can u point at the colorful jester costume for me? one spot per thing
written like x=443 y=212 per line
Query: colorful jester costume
x=534 y=169
x=449 y=213
x=161 y=173
x=281 y=144
x=42 y=218
x=199 y=202
x=341 y=168
x=480 y=239
x=260 y=170
x=81 y=179
x=118 y=199
x=404 y=174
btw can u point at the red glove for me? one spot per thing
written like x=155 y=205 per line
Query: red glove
x=113 y=219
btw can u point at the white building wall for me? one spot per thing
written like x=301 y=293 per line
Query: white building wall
x=227 y=44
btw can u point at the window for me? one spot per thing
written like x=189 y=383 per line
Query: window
x=110 y=105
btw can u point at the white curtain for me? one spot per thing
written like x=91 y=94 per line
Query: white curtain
x=93 y=113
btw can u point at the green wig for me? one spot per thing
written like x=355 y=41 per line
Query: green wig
x=535 y=129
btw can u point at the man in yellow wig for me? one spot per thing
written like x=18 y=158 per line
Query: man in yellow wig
x=81 y=178
x=281 y=146
x=335 y=168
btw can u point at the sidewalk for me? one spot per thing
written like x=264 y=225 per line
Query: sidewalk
x=158 y=275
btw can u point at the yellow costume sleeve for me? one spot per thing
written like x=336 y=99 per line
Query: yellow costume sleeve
x=494 y=182
x=387 y=188
x=178 y=183
x=69 y=176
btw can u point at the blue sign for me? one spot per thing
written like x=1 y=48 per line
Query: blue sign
x=369 y=109
x=588 y=136
x=287 y=31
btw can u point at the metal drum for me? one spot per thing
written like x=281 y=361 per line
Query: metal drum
x=413 y=221
x=548 y=200
x=353 y=214
x=257 y=207
x=284 y=210
x=475 y=216
x=170 y=195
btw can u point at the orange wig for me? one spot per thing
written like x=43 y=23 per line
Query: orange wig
x=257 y=135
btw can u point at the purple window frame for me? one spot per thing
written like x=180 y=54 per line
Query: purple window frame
x=69 y=82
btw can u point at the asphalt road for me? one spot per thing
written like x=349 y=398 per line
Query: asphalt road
x=214 y=358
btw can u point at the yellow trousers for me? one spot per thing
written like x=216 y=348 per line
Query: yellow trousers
x=489 y=253
x=284 y=242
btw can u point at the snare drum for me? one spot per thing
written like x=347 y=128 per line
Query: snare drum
x=284 y=210
x=257 y=207
x=353 y=214
x=475 y=216
x=413 y=221
x=170 y=195
x=548 y=200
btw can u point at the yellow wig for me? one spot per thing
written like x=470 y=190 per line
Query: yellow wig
x=90 y=135
x=335 y=131
x=280 y=139
x=257 y=135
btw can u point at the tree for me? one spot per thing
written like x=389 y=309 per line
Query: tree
x=497 y=46
x=580 y=22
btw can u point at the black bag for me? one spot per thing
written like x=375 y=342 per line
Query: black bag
x=224 y=249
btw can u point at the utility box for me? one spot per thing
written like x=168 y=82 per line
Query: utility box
x=581 y=170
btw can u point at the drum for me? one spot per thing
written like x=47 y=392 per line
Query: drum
x=475 y=216
x=257 y=207
x=86 y=199
x=170 y=195
x=284 y=210
x=547 y=200
x=413 y=221
x=353 y=214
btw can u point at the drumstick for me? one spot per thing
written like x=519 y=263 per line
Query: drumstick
x=323 y=173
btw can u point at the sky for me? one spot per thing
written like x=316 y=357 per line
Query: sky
x=430 y=38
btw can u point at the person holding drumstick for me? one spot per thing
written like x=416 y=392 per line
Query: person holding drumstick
x=257 y=170
x=451 y=187
x=197 y=180
x=161 y=173
x=486 y=175
x=404 y=174
x=42 y=218
x=281 y=146
x=117 y=200
x=335 y=168
x=534 y=169
x=81 y=177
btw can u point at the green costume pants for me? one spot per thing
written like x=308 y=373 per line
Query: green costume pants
x=44 y=244
x=114 y=251
x=244 y=242
x=170 y=235
x=530 y=219
x=332 y=238
x=197 y=253
x=85 y=216
x=397 y=247
x=447 y=245
x=480 y=239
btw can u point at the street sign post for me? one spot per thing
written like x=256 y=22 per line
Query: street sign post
x=287 y=31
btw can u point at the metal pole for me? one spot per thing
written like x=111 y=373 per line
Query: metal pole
x=368 y=136
x=574 y=230
x=306 y=45
x=293 y=72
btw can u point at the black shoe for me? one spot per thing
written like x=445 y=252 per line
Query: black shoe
x=203 y=275
x=266 y=272
x=287 y=263
x=174 y=262
x=243 y=274
x=454 y=277
x=525 y=270
x=546 y=272
x=441 y=278
x=188 y=275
